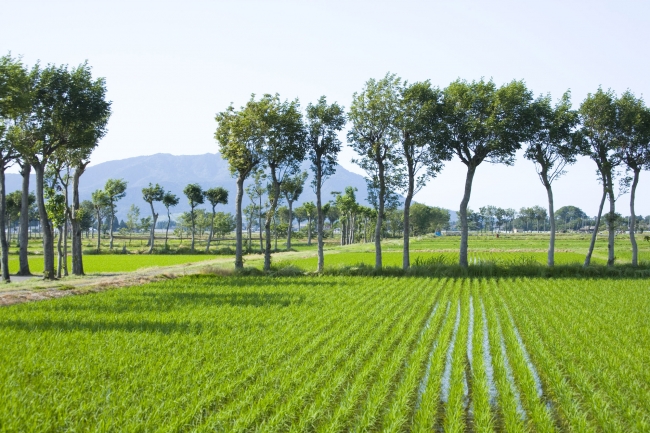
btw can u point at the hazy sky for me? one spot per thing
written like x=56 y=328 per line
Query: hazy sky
x=170 y=66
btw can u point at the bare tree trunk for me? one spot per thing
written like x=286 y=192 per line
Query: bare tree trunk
x=239 y=259
x=309 y=230
x=290 y=230
x=380 y=214
x=153 y=228
x=46 y=228
x=169 y=220
x=610 y=223
x=207 y=248
x=24 y=221
x=260 y=224
x=99 y=230
x=635 y=248
x=59 y=256
x=4 y=246
x=65 y=249
x=269 y=216
x=595 y=233
x=319 y=215
x=343 y=231
x=464 y=232
x=406 y=259
x=193 y=229
x=77 y=254
x=551 y=213
x=111 y=225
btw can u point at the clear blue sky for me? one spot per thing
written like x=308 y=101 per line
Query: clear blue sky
x=170 y=66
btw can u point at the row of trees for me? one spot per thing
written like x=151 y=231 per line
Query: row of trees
x=403 y=134
x=51 y=118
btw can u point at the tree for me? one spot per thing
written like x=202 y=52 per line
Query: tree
x=323 y=123
x=372 y=114
x=418 y=126
x=633 y=136
x=194 y=194
x=484 y=123
x=115 y=190
x=169 y=200
x=283 y=150
x=552 y=146
x=292 y=187
x=14 y=105
x=215 y=196
x=240 y=138
x=598 y=118
x=224 y=223
x=151 y=194
x=101 y=204
x=132 y=220
x=87 y=219
x=69 y=110
x=310 y=210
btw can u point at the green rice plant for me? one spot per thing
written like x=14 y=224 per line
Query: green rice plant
x=398 y=416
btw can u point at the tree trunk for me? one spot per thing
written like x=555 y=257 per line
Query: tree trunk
x=610 y=223
x=239 y=259
x=380 y=214
x=595 y=233
x=65 y=249
x=207 y=248
x=269 y=216
x=319 y=214
x=406 y=259
x=46 y=228
x=169 y=220
x=635 y=248
x=260 y=224
x=343 y=231
x=153 y=228
x=551 y=213
x=471 y=170
x=192 y=215
x=77 y=254
x=4 y=246
x=290 y=203
x=59 y=256
x=24 y=222
x=111 y=225
x=309 y=230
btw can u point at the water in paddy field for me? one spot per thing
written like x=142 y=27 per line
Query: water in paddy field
x=446 y=375
x=425 y=379
x=509 y=375
x=487 y=360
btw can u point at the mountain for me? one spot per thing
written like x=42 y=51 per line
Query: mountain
x=174 y=172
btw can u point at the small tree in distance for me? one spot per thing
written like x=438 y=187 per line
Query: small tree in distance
x=151 y=194
x=169 y=200
x=115 y=189
x=194 y=194
x=215 y=196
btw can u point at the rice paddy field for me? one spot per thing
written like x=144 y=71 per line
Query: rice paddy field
x=332 y=354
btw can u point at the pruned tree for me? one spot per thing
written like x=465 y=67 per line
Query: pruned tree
x=240 y=137
x=215 y=196
x=102 y=207
x=256 y=191
x=598 y=118
x=68 y=110
x=283 y=150
x=169 y=200
x=291 y=188
x=552 y=146
x=372 y=115
x=422 y=148
x=115 y=190
x=485 y=123
x=151 y=194
x=323 y=122
x=633 y=136
x=195 y=197
x=310 y=211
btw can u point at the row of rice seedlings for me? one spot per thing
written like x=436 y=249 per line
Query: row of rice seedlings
x=525 y=374
x=619 y=387
x=510 y=411
x=340 y=362
x=573 y=358
x=359 y=388
x=454 y=417
x=261 y=396
x=427 y=411
x=397 y=418
x=570 y=407
x=323 y=323
x=482 y=391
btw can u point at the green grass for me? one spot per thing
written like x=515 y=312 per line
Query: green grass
x=325 y=353
x=115 y=262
